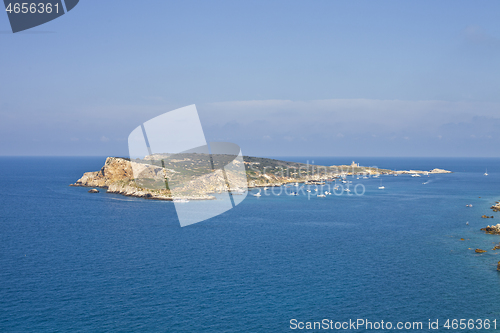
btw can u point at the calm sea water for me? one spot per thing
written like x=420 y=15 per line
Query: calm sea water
x=73 y=261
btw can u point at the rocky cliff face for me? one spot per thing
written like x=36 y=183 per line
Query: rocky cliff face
x=115 y=169
x=117 y=176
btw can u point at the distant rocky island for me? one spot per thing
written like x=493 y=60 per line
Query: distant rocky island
x=200 y=179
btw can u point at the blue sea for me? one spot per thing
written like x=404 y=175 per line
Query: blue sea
x=71 y=261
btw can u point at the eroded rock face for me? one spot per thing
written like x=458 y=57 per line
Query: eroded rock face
x=115 y=169
x=117 y=176
x=498 y=266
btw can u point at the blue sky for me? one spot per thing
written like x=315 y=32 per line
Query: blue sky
x=345 y=78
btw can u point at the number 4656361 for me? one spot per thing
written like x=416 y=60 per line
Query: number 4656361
x=470 y=324
x=32 y=8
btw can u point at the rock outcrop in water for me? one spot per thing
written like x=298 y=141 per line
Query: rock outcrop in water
x=189 y=170
x=493 y=230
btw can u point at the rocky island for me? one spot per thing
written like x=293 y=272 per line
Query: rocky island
x=197 y=176
x=496 y=207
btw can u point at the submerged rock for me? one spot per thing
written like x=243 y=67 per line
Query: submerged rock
x=480 y=251
x=93 y=191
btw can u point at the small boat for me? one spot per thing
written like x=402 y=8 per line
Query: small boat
x=265 y=188
x=257 y=195
x=321 y=196
x=415 y=175
x=347 y=190
x=381 y=187
x=294 y=193
x=308 y=191
x=296 y=184
x=486 y=173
